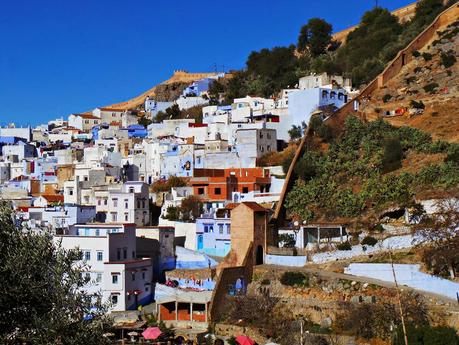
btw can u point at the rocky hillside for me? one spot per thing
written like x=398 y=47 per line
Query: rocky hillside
x=164 y=90
x=425 y=95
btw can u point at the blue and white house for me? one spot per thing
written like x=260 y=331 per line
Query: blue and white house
x=302 y=103
x=213 y=233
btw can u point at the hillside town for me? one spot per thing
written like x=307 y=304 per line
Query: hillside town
x=309 y=216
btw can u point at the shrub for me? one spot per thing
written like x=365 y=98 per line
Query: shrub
x=427 y=56
x=386 y=98
x=417 y=105
x=425 y=334
x=379 y=228
x=447 y=59
x=344 y=246
x=453 y=155
x=392 y=154
x=431 y=88
x=416 y=53
x=265 y=282
x=369 y=241
x=294 y=279
x=410 y=80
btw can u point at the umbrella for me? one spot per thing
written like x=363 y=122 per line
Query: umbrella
x=244 y=340
x=151 y=333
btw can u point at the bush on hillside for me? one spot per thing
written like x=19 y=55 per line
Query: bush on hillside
x=369 y=241
x=294 y=279
x=417 y=105
x=448 y=59
x=344 y=246
x=425 y=334
x=392 y=154
x=387 y=97
x=431 y=88
x=426 y=56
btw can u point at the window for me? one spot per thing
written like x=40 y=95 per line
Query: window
x=143 y=275
x=228 y=228
x=218 y=191
x=87 y=255
x=269 y=148
x=115 y=202
x=131 y=189
x=220 y=229
x=206 y=229
x=105 y=202
x=99 y=202
x=200 y=191
x=118 y=253
x=133 y=276
x=115 y=279
x=97 y=232
x=125 y=253
x=138 y=203
x=70 y=191
x=87 y=276
x=114 y=299
x=99 y=277
x=133 y=254
x=126 y=217
x=245 y=190
x=143 y=203
x=100 y=256
x=126 y=203
x=114 y=216
x=211 y=228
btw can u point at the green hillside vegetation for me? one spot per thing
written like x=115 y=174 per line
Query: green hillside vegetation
x=359 y=174
x=367 y=50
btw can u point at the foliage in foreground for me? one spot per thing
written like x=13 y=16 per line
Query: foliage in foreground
x=40 y=291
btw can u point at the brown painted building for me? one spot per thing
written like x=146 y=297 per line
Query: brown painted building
x=219 y=184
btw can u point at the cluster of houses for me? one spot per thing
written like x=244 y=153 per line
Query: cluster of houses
x=89 y=179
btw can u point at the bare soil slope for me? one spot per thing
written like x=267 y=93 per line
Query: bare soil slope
x=431 y=78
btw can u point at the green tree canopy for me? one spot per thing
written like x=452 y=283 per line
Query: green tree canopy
x=41 y=296
x=315 y=37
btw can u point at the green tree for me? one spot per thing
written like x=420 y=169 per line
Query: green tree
x=362 y=55
x=191 y=208
x=41 y=291
x=315 y=37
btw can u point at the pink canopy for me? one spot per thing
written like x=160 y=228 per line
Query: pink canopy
x=244 y=340
x=151 y=333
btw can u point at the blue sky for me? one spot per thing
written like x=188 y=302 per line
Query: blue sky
x=60 y=56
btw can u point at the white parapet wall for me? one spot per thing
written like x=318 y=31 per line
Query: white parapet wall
x=284 y=260
x=409 y=275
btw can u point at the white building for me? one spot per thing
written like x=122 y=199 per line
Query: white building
x=114 y=270
x=83 y=122
x=325 y=81
x=127 y=203
x=19 y=132
x=254 y=143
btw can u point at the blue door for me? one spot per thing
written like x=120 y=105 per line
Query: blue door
x=227 y=248
x=200 y=242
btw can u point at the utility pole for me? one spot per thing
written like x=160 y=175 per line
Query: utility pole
x=301 y=333
x=399 y=298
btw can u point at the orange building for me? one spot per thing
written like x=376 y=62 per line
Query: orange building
x=219 y=184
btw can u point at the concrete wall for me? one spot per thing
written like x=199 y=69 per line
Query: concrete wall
x=282 y=260
x=408 y=275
